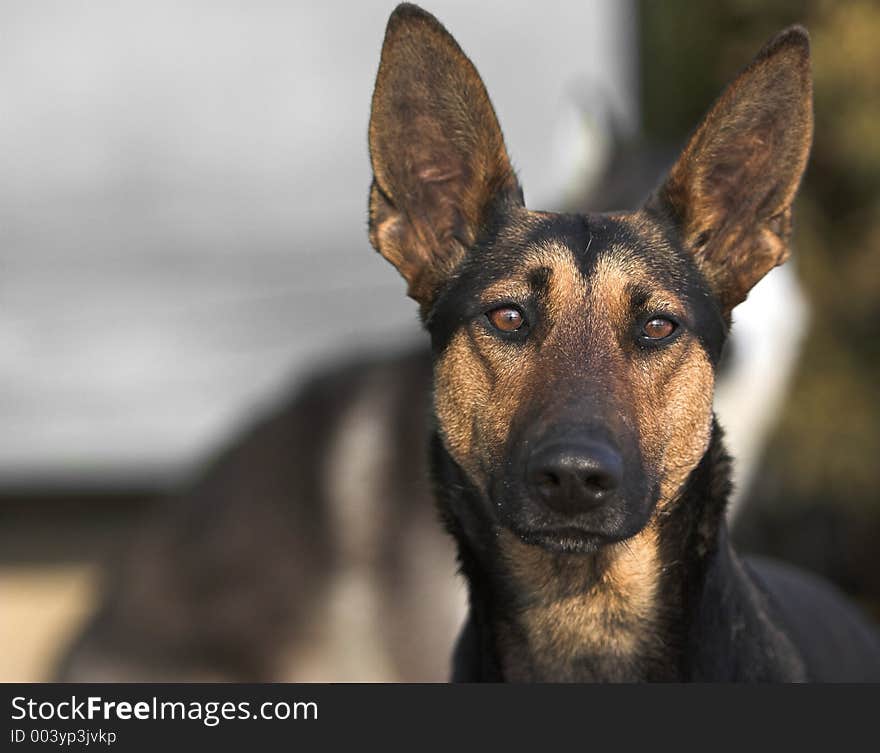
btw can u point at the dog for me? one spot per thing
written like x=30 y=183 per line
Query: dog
x=575 y=456
x=303 y=552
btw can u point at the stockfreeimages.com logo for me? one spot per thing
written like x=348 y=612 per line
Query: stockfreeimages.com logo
x=209 y=713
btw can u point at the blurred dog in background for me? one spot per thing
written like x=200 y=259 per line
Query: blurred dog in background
x=309 y=551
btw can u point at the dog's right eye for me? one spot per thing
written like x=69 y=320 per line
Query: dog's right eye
x=506 y=319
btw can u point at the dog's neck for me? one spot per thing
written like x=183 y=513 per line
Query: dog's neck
x=643 y=609
x=580 y=617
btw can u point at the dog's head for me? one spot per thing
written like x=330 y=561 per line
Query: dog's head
x=575 y=354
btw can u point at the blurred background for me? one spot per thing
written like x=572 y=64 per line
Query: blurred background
x=185 y=275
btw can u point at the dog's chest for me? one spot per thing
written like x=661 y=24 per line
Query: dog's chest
x=581 y=618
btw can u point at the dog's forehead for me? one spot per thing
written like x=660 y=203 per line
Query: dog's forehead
x=631 y=243
x=626 y=260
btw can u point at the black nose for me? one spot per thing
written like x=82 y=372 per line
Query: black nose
x=573 y=477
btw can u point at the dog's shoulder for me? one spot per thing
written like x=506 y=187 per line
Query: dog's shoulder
x=837 y=643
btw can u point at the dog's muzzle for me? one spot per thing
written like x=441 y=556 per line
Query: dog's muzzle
x=572 y=478
x=573 y=489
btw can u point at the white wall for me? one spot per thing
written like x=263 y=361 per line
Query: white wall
x=183 y=203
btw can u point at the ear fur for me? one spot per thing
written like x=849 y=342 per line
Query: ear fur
x=730 y=192
x=438 y=156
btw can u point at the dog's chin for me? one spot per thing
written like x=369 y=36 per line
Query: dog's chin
x=564 y=540
x=568 y=539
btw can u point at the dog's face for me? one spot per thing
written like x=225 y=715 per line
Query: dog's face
x=575 y=354
x=574 y=372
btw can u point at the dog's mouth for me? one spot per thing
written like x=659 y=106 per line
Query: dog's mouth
x=585 y=533
x=567 y=540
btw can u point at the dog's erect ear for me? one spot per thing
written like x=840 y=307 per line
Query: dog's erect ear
x=439 y=162
x=731 y=191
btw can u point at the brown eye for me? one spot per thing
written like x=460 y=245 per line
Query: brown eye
x=658 y=328
x=506 y=318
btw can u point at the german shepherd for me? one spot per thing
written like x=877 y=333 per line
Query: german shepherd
x=574 y=451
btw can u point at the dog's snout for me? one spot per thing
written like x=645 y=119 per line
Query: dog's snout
x=571 y=478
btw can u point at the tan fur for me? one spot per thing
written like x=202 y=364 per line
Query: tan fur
x=480 y=381
x=686 y=422
x=581 y=605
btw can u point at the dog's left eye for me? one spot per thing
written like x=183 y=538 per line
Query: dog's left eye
x=658 y=328
x=506 y=318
